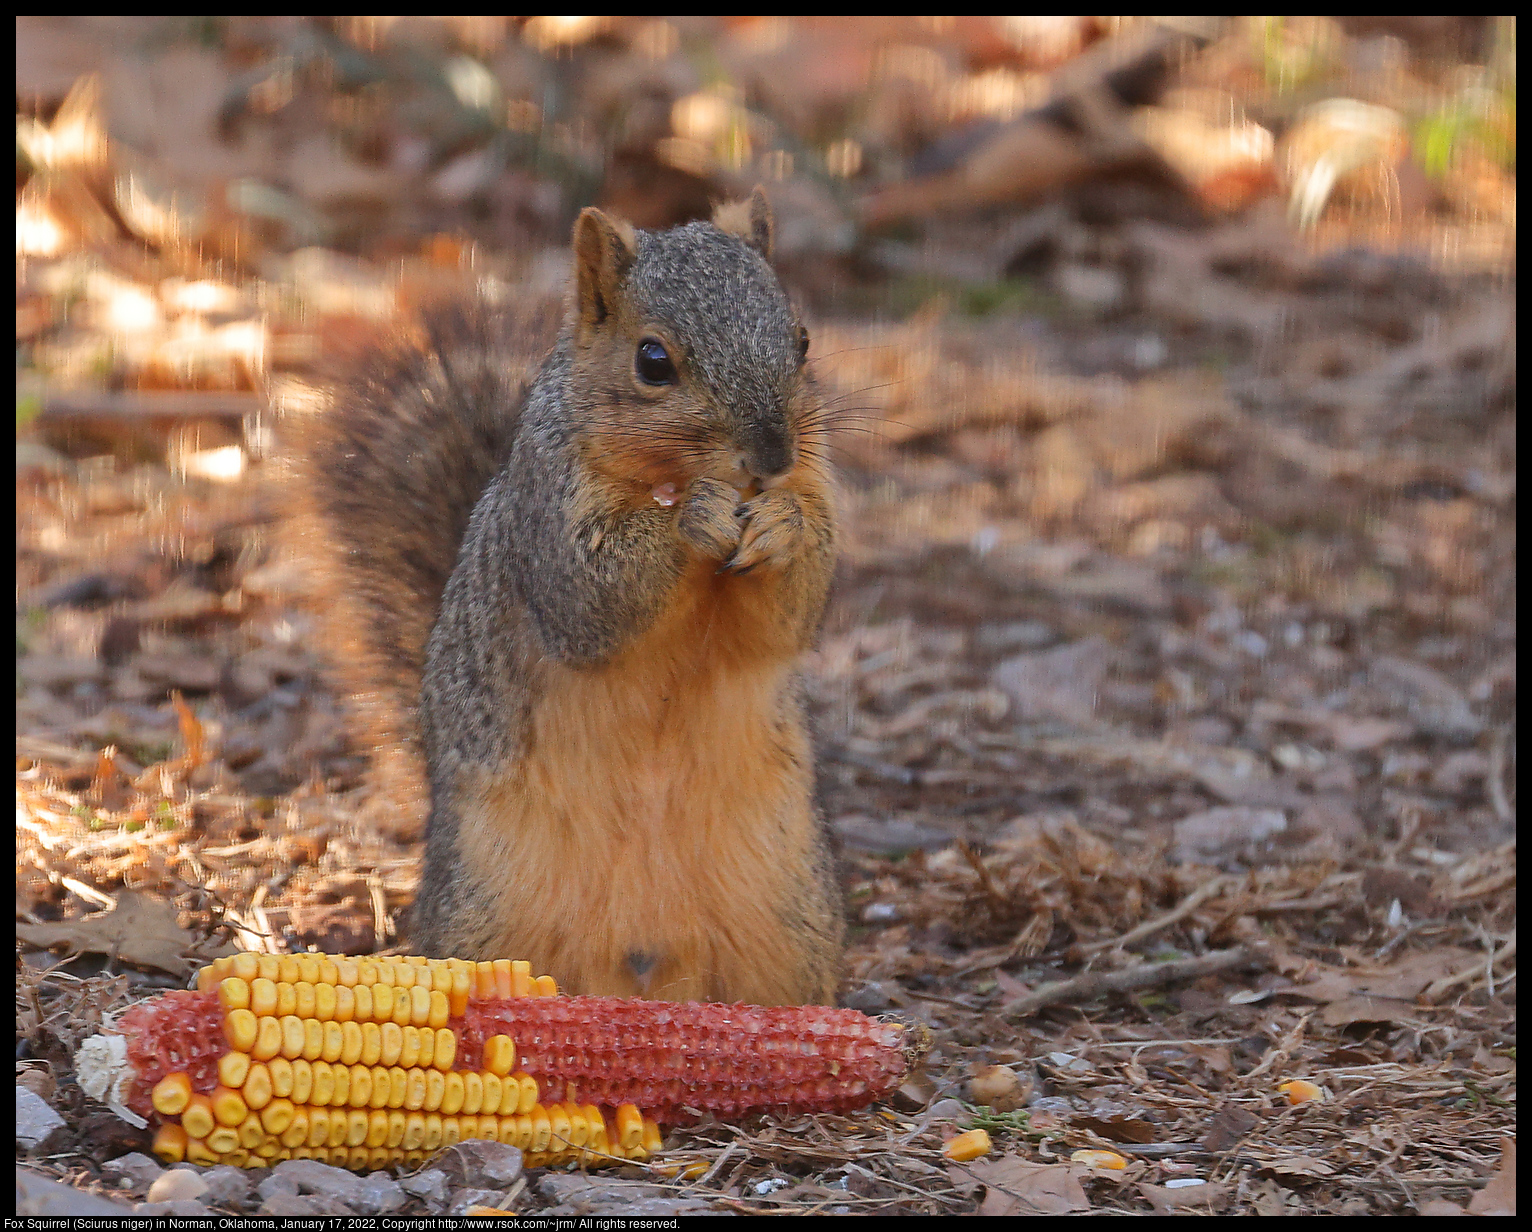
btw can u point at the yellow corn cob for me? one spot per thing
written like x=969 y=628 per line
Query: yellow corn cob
x=367 y=1063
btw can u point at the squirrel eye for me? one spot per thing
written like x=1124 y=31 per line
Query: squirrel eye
x=803 y=342
x=653 y=364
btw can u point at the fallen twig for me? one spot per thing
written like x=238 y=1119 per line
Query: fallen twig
x=1146 y=975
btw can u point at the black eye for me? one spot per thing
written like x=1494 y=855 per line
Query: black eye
x=803 y=342
x=652 y=363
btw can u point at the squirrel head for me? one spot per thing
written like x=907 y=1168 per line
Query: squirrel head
x=688 y=356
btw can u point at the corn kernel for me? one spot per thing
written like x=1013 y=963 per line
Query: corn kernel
x=223 y=1140
x=377 y=1128
x=414 y=1083
x=1301 y=1091
x=502 y=970
x=287 y=1000
x=419 y=1000
x=462 y=986
x=324 y=1002
x=439 y=1013
x=653 y=1140
x=630 y=1127
x=597 y=1123
x=268 y=1039
x=303 y=1082
x=402 y=1007
x=529 y=1092
x=379 y=1157
x=361 y=1087
x=499 y=1054
x=436 y=1088
x=359 y=1158
x=521 y=978
x=319 y=1127
x=405 y=973
x=347 y=973
x=306 y=998
x=297 y=1134
x=197 y=1117
x=269 y=967
x=234 y=994
x=292 y=1036
x=245 y=966
x=382 y=1002
x=170 y=1143
x=972 y=1145
x=171 y=1094
x=241 y=1028
x=277 y=1116
x=328 y=972
x=546 y=986
x=340 y=1122
x=473 y=1093
x=251 y=1132
x=308 y=968
x=1108 y=1160
x=345 y=1003
x=558 y=1121
x=489 y=1128
x=352 y=1041
x=484 y=979
x=372 y=1043
x=356 y=1127
x=390 y=1041
x=542 y=1128
x=334 y=1042
x=414 y=1131
x=270 y=1150
x=453 y=1092
x=281 y=1077
x=324 y=1084
x=451 y=1131
x=433 y=1138
x=362 y=995
x=263 y=997
x=228 y=1107
x=383 y=1087
x=492 y=1095
x=287 y=968
x=579 y=1127
x=341 y=1074
x=398 y=1087
x=396 y=1121
x=445 y=1051
x=197 y=1153
x=409 y=1047
x=257 y=1086
x=233 y=1069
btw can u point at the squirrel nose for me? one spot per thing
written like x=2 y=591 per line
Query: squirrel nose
x=769 y=461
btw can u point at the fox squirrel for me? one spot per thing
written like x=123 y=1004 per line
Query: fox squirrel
x=571 y=595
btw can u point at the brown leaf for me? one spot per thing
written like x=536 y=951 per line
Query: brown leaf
x=138 y=930
x=1364 y=1008
x=1019 y=1187
x=1499 y=1196
x=1116 y=1129
x=1299 y=1165
x=1192 y=1197
x=1230 y=1124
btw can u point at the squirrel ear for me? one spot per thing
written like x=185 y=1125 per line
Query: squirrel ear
x=750 y=220
x=604 y=250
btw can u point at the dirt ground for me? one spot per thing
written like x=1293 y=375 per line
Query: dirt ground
x=1165 y=703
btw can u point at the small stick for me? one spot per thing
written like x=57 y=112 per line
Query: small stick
x=1179 y=912
x=1145 y=975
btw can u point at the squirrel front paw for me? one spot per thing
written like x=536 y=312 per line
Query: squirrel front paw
x=773 y=523
x=706 y=519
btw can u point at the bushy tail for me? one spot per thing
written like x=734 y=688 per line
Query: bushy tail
x=385 y=481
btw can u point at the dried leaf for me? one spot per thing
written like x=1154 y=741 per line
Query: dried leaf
x=140 y=930
x=1363 y=1008
x=1230 y=1124
x=1018 y=1187
x=1499 y=1196
x=1168 y=1201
